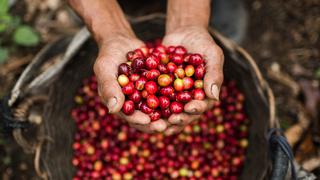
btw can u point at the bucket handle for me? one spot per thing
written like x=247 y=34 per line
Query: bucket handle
x=281 y=155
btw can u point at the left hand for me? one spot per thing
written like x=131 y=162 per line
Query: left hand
x=197 y=40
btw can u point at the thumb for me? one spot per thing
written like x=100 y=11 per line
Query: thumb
x=214 y=72
x=109 y=90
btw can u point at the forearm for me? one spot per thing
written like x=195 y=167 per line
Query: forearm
x=183 y=13
x=104 y=18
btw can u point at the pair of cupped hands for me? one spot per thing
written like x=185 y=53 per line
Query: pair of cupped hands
x=112 y=52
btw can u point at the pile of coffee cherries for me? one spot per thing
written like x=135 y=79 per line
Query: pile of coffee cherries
x=212 y=148
x=159 y=80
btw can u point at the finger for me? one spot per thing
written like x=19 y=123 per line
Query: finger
x=159 y=125
x=196 y=106
x=106 y=68
x=182 y=118
x=173 y=130
x=137 y=117
x=214 y=71
x=143 y=128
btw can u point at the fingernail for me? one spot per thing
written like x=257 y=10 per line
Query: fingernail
x=111 y=103
x=215 y=91
x=158 y=126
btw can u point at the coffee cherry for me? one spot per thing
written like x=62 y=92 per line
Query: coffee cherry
x=139 y=53
x=152 y=101
x=163 y=69
x=164 y=80
x=128 y=107
x=156 y=53
x=134 y=77
x=176 y=107
x=164 y=58
x=179 y=73
x=97 y=166
x=178 y=85
x=198 y=94
x=180 y=50
x=137 y=64
x=152 y=74
x=160 y=49
x=189 y=69
x=133 y=55
x=128 y=89
x=123 y=80
x=140 y=83
x=155 y=115
x=165 y=113
x=164 y=102
x=135 y=96
x=187 y=83
x=173 y=96
x=171 y=67
x=186 y=58
x=176 y=59
x=172 y=77
x=166 y=91
x=145 y=109
x=138 y=105
x=196 y=59
x=199 y=72
x=171 y=49
x=184 y=97
x=198 y=84
x=151 y=87
x=144 y=72
x=144 y=94
x=145 y=51
x=152 y=62
x=124 y=69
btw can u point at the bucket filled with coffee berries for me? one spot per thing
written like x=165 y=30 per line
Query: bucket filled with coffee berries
x=158 y=81
x=78 y=139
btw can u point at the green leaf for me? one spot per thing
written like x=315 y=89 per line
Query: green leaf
x=5 y=22
x=25 y=36
x=3 y=55
x=4 y=6
x=318 y=73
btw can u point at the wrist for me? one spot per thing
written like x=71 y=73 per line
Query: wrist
x=188 y=28
x=105 y=33
x=104 y=19
x=187 y=13
x=120 y=38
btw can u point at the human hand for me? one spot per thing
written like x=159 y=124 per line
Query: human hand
x=197 y=39
x=111 y=54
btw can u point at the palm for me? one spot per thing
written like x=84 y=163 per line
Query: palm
x=198 y=40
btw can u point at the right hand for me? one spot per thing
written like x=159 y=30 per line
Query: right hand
x=112 y=52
